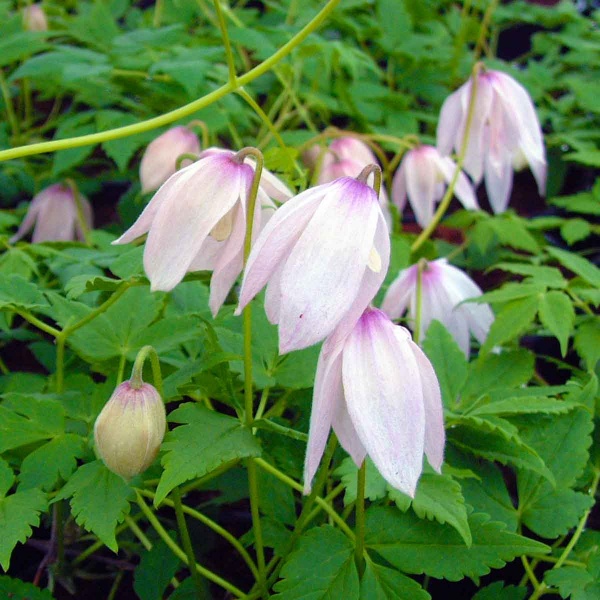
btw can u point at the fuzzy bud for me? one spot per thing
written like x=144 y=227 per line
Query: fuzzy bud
x=160 y=158
x=130 y=429
x=34 y=18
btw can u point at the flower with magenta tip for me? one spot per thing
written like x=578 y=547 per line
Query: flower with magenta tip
x=423 y=177
x=324 y=254
x=54 y=216
x=380 y=394
x=444 y=288
x=159 y=161
x=505 y=134
x=197 y=221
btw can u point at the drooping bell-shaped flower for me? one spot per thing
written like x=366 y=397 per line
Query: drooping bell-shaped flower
x=444 y=288
x=159 y=161
x=324 y=255
x=130 y=429
x=197 y=221
x=345 y=156
x=423 y=177
x=380 y=394
x=505 y=134
x=34 y=18
x=53 y=215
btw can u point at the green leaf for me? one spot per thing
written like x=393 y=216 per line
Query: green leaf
x=557 y=314
x=496 y=371
x=522 y=405
x=497 y=590
x=203 y=442
x=20 y=45
x=76 y=126
x=584 y=202
x=99 y=500
x=120 y=150
x=570 y=581
x=15 y=589
x=322 y=566
x=511 y=291
x=540 y=275
x=26 y=418
x=153 y=574
x=296 y=370
x=53 y=461
x=17 y=293
x=514 y=318
x=575 y=230
x=587 y=341
x=381 y=583
x=375 y=484
x=448 y=361
x=19 y=512
x=511 y=231
x=579 y=265
x=417 y=546
x=439 y=497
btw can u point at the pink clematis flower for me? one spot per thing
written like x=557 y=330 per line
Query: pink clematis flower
x=444 y=288
x=380 y=394
x=324 y=255
x=159 y=161
x=34 y=18
x=53 y=216
x=346 y=157
x=505 y=134
x=197 y=221
x=423 y=177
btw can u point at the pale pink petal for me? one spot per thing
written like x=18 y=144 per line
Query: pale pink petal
x=498 y=180
x=451 y=119
x=327 y=394
x=398 y=295
x=383 y=393
x=273 y=295
x=435 y=435
x=399 y=186
x=28 y=222
x=324 y=270
x=346 y=434
x=421 y=179
x=274 y=187
x=274 y=242
x=463 y=189
x=185 y=218
x=56 y=220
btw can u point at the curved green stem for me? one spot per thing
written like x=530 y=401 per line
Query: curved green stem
x=421 y=266
x=445 y=203
x=138 y=369
x=38 y=323
x=183 y=111
x=181 y=554
x=359 y=528
x=228 y=52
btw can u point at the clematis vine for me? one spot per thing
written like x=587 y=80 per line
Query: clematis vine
x=505 y=134
x=423 y=177
x=324 y=255
x=443 y=291
x=380 y=394
x=197 y=221
x=53 y=216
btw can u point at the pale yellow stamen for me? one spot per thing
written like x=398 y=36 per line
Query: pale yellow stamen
x=222 y=230
x=374 y=262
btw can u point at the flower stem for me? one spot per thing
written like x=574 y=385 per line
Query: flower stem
x=226 y=43
x=445 y=203
x=10 y=111
x=359 y=528
x=183 y=111
x=186 y=540
x=421 y=266
x=138 y=369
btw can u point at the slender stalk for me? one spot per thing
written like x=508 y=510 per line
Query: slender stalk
x=483 y=31
x=421 y=266
x=263 y=403
x=155 y=523
x=186 y=541
x=181 y=112
x=10 y=111
x=262 y=114
x=445 y=203
x=158 y=10
x=138 y=369
x=37 y=323
x=228 y=52
x=121 y=369
x=60 y=364
x=359 y=528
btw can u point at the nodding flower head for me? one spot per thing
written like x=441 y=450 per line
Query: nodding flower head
x=380 y=394
x=323 y=256
x=505 y=134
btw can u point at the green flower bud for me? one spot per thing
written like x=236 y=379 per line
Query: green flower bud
x=129 y=430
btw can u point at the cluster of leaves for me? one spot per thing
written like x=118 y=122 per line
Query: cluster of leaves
x=521 y=457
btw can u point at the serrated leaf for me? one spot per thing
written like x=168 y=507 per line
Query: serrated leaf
x=587 y=341
x=498 y=590
x=19 y=512
x=556 y=312
x=569 y=580
x=511 y=291
x=514 y=318
x=53 y=461
x=579 y=265
x=153 y=574
x=375 y=484
x=204 y=441
x=322 y=566
x=382 y=583
x=99 y=500
x=556 y=512
x=18 y=293
x=80 y=284
x=417 y=546
x=519 y=405
x=15 y=589
x=439 y=497
x=511 y=231
x=448 y=361
x=575 y=230
x=540 y=275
